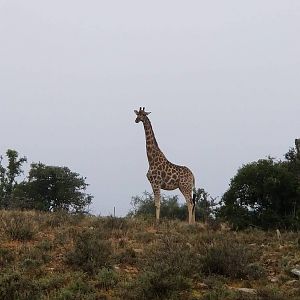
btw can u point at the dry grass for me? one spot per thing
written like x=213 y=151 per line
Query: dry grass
x=60 y=256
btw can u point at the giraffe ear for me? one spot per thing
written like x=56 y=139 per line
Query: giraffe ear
x=136 y=112
x=148 y=113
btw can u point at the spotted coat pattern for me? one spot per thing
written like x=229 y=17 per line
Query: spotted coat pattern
x=163 y=174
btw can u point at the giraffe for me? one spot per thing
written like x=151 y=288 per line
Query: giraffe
x=163 y=174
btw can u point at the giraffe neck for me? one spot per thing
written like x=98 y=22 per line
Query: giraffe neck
x=152 y=148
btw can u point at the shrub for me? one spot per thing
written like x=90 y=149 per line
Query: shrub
x=270 y=293
x=31 y=264
x=155 y=285
x=15 y=286
x=78 y=289
x=51 y=282
x=63 y=236
x=18 y=227
x=45 y=245
x=225 y=257
x=33 y=258
x=219 y=293
x=90 y=252
x=128 y=256
x=255 y=271
x=56 y=219
x=115 y=223
x=6 y=256
x=170 y=256
x=144 y=237
x=106 y=278
x=166 y=272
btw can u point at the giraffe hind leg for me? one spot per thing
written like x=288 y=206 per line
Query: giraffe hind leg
x=187 y=193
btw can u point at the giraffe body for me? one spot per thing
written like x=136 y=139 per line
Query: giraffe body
x=163 y=174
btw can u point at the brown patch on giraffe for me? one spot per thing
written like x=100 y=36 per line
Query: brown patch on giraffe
x=163 y=174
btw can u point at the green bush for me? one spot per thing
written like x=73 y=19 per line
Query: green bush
x=78 y=289
x=220 y=292
x=14 y=286
x=166 y=271
x=106 y=278
x=31 y=264
x=225 y=257
x=255 y=271
x=51 y=283
x=156 y=285
x=90 y=252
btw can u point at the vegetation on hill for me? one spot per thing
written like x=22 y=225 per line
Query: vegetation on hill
x=62 y=256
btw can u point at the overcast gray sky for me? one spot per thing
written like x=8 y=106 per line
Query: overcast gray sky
x=222 y=79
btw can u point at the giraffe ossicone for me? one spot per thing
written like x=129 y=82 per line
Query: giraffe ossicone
x=163 y=174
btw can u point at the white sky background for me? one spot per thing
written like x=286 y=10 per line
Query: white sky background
x=222 y=79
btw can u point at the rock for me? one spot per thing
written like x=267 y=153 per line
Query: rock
x=51 y=269
x=189 y=245
x=244 y=290
x=138 y=250
x=291 y=282
x=202 y=285
x=295 y=272
x=131 y=270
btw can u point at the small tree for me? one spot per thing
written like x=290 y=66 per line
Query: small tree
x=205 y=205
x=264 y=194
x=8 y=176
x=52 y=188
x=142 y=205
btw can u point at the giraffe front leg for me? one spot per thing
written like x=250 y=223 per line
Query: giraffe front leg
x=156 y=191
x=155 y=182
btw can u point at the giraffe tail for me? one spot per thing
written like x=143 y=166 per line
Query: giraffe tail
x=194 y=195
x=194 y=202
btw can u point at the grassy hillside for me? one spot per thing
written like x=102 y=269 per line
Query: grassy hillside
x=59 y=256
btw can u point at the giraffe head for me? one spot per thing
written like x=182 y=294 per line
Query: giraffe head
x=141 y=115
